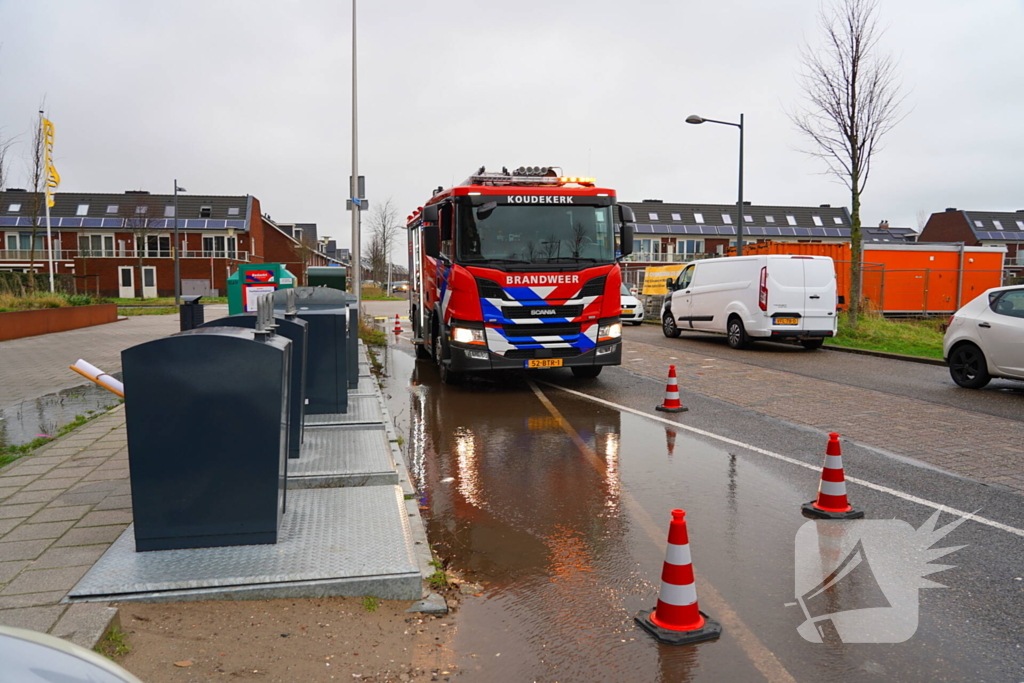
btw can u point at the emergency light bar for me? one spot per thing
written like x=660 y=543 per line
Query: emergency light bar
x=527 y=175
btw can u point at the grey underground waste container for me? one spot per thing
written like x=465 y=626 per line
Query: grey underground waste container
x=325 y=310
x=190 y=312
x=207 y=419
x=294 y=330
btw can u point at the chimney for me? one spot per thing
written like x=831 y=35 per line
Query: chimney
x=950 y=208
x=652 y=201
x=139 y=191
x=824 y=206
x=884 y=225
x=746 y=203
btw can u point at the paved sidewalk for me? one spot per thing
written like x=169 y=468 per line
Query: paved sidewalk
x=59 y=510
x=982 y=447
x=34 y=366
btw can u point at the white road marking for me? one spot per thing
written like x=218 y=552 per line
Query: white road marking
x=793 y=461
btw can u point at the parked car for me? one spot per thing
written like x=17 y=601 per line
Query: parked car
x=770 y=297
x=401 y=286
x=29 y=657
x=985 y=338
x=632 y=309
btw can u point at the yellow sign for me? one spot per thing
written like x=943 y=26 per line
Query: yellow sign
x=656 y=276
x=52 y=177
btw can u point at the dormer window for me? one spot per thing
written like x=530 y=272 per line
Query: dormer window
x=169 y=211
x=112 y=209
x=205 y=211
x=13 y=208
x=791 y=220
x=698 y=217
x=652 y=216
x=676 y=217
x=726 y=218
x=233 y=211
x=817 y=220
x=83 y=210
x=769 y=219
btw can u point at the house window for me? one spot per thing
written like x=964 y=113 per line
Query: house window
x=169 y=211
x=748 y=219
x=1020 y=224
x=141 y=209
x=205 y=211
x=769 y=219
x=83 y=210
x=155 y=246
x=95 y=245
x=653 y=216
x=297 y=234
x=220 y=246
x=998 y=224
x=14 y=208
x=699 y=217
x=112 y=208
x=233 y=211
x=979 y=224
x=25 y=241
x=837 y=220
x=726 y=218
x=676 y=217
x=791 y=220
x=817 y=220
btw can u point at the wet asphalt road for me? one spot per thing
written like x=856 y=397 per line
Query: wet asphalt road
x=568 y=535
x=1002 y=397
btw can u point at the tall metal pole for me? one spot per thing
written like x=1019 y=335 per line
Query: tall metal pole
x=46 y=197
x=357 y=282
x=177 y=248
x=739 y=202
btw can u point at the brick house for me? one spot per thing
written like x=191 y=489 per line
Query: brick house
x=980 y=228
x=121 y=244
x=667 y=233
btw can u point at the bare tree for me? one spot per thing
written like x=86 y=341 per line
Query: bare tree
x=304 y=249
x=140 y=222
x=5 y=148
x=385 y=231
x=852 y=99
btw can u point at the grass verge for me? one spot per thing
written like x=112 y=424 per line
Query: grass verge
x=148 y=310
x=9 y=454
x=162 y=301
x=906 y=337
x=114 y=645
x=370 y=603
x=37 y=300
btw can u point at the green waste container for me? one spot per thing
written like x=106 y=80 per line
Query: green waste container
x=252 y=279
x=327 y=276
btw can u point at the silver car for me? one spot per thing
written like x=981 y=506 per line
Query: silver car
x=985 y=338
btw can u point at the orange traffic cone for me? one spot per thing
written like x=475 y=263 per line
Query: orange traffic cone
x=670 y=441
x=677 y=620
x=831 y=502
x=672 y=404
x=398 y=325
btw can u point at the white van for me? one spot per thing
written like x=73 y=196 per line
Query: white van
x=771 y=297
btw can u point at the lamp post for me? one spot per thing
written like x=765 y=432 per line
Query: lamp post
x=177 y=247
x=693 y=118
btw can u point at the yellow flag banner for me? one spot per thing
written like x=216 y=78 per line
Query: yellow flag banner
x=52 y=177
x=655 y=278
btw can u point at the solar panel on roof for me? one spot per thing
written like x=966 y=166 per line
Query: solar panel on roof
x=8 y=220
x=754 y=231
x=112 y=222
x=726 y=230
x=773 y=231
x=788 y=231
x=802 y=232
x=92 y=222
x=217 y=223
x=70 y=222
x=677 y=229
x=238 y=225
x=195 y=223
x=642 y=229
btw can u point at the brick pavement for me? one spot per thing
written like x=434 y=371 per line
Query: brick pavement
x=34 y=366
x=60 y=509
x=979 y=446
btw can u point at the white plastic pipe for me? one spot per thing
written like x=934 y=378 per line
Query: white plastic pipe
x=93 y=373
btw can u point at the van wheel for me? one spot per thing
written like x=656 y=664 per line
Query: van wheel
x=968 y=368
x=737 y=335
x=586 y=371
x=668 y=325
x=811 y=344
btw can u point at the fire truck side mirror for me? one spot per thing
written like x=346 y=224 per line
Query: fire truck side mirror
x=431 y=239
x=431 y=214
x=627 y=214
x=626 y=239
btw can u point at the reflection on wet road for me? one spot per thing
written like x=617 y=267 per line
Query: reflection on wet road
x=560 y=507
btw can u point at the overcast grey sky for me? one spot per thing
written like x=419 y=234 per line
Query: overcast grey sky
x=253 y=96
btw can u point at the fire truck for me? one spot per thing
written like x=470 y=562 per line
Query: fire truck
x=518 y=270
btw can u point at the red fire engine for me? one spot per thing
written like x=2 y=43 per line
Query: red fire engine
x=518 y=270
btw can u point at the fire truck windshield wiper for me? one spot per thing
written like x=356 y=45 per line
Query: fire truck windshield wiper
x=498 y=260
x=573 y=258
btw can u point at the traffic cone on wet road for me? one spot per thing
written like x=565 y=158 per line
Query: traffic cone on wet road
x=672 y=404
x=677 y=620
x=831 y=502
x=398 y=325
x=670 y=441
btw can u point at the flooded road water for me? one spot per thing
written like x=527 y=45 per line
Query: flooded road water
x=44 y=416
x=559 y=507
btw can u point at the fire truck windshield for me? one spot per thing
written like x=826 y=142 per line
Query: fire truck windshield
x=535 y=234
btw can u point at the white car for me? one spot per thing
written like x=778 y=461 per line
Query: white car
x=985 y=338
x=632 y=309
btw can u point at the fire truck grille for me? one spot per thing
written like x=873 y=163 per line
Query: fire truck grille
x=594 y=287
x=518 y=312
x=542 y=330
x=542 y=353
x=489 y=289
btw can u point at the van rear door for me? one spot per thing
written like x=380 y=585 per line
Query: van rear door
x=820 y=293
x=786 y=298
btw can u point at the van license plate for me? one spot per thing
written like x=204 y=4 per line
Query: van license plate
x=786 y=321
x=544 y=363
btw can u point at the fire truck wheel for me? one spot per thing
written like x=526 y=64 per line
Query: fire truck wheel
x=586 y=371
x=444 y=371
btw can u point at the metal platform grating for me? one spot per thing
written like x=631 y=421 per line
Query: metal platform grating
x=341 y=541
x=367 y=387
x=361 y=410
x=340 y=456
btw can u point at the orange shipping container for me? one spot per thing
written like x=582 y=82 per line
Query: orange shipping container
x=906 y=279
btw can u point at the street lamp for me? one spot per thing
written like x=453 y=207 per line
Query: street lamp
x=693 y=118
x=177 y=247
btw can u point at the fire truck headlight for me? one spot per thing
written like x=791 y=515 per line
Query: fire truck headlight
x=465 y=335
x=611 y=331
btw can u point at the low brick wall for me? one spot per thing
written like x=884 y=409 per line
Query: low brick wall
x=17 y=324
